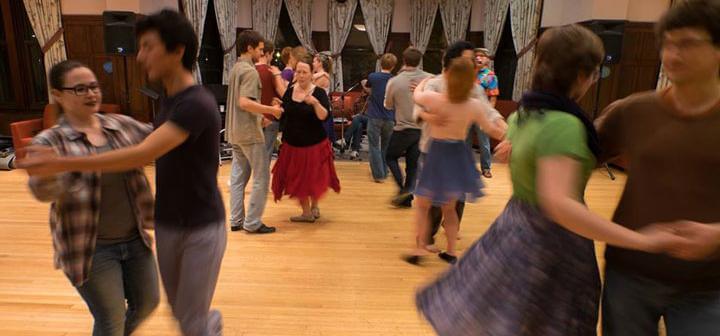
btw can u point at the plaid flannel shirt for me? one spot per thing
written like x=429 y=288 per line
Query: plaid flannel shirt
x=75 y=196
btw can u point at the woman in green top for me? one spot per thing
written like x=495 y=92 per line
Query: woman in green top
x=534 y=272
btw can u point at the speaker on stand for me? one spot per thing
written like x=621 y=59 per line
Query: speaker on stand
x=611 y=34
x=119 y=40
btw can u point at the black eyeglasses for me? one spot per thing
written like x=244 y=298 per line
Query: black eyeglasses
x=83 y=90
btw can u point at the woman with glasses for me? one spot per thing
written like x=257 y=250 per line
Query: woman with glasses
x=98 y=221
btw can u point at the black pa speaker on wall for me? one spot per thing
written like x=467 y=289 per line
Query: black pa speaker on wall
x=119 y=30
x=611 y=34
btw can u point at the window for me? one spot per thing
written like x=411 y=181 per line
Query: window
x=211 y=54
x=358 y=56
x=506 y=62
x=22 y=71
x=285 y=36
x=432 y=60
x=6 y=95
x=29 y=50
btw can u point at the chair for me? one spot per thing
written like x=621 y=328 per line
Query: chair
x=24 y=131
x=343 y=111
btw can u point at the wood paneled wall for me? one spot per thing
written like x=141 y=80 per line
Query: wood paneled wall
x=121 y=77
x=637 y=70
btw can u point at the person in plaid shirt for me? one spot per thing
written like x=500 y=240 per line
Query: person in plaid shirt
x=189 y=212
x=98 y=221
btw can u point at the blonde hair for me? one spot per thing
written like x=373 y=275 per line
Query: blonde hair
x=285 y=55
x=298 y=53
x=460 y=78
x=388 y=61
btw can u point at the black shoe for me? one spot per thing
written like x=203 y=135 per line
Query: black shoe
x=234 y=228
x=403 y=200
x=450 y=259
x=412 y=259
x=263 y=229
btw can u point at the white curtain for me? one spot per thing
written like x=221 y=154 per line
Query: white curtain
x=378 y=15
x=422 y=17
x=340 y=23
x=225 y=13
x=525 y=22
x=195 y=11
x=266 y=17
x=455 y=16
x=495 y=14
x=301 y=17
x=46 y=22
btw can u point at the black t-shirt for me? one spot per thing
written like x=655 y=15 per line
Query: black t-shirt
x=301 y=126
x=187 y=191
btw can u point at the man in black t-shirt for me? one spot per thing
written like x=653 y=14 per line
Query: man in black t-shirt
x=189 y=211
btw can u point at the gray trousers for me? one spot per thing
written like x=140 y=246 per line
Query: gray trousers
x=251 y=159
x=189 y=262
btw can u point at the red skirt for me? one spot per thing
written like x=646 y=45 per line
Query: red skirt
x=302 y=172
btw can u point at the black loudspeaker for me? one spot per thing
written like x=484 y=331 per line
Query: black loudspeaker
x=611 y=34
x=119 y=30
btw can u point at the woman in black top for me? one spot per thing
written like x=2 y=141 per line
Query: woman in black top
x=305 y=167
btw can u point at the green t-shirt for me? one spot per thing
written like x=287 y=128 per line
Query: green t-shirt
x=552 y=133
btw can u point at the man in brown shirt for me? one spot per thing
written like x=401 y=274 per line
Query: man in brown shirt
x=671 y=140
x=270 y=93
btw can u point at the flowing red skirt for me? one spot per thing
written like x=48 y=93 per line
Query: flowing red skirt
x=302 y=172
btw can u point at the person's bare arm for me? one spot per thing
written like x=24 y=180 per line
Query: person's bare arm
x=323 y=82
x=252 y=106
x=493 y=101
x=494 y=129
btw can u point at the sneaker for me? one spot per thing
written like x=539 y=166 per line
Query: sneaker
x=234 y=228
x=354 y=155
x=487 y=173
x=340 y=143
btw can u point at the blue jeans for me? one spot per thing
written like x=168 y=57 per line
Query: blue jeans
x=329 y=126
x=633 y=305
x=354 y=133
x=271 y=131
x=119 y=272
x=249 y=159
x=484 y=143
x=379 y=133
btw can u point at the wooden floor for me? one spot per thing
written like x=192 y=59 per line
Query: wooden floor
x=340 y=276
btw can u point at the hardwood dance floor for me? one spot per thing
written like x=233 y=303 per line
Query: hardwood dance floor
x=340 y=276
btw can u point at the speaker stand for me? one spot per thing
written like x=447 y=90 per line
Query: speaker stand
x=595 y=114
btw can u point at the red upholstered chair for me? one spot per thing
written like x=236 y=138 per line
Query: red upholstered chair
x=24 y=131
x=352 y=104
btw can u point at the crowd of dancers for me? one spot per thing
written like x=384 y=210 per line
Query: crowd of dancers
x=534 y=272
